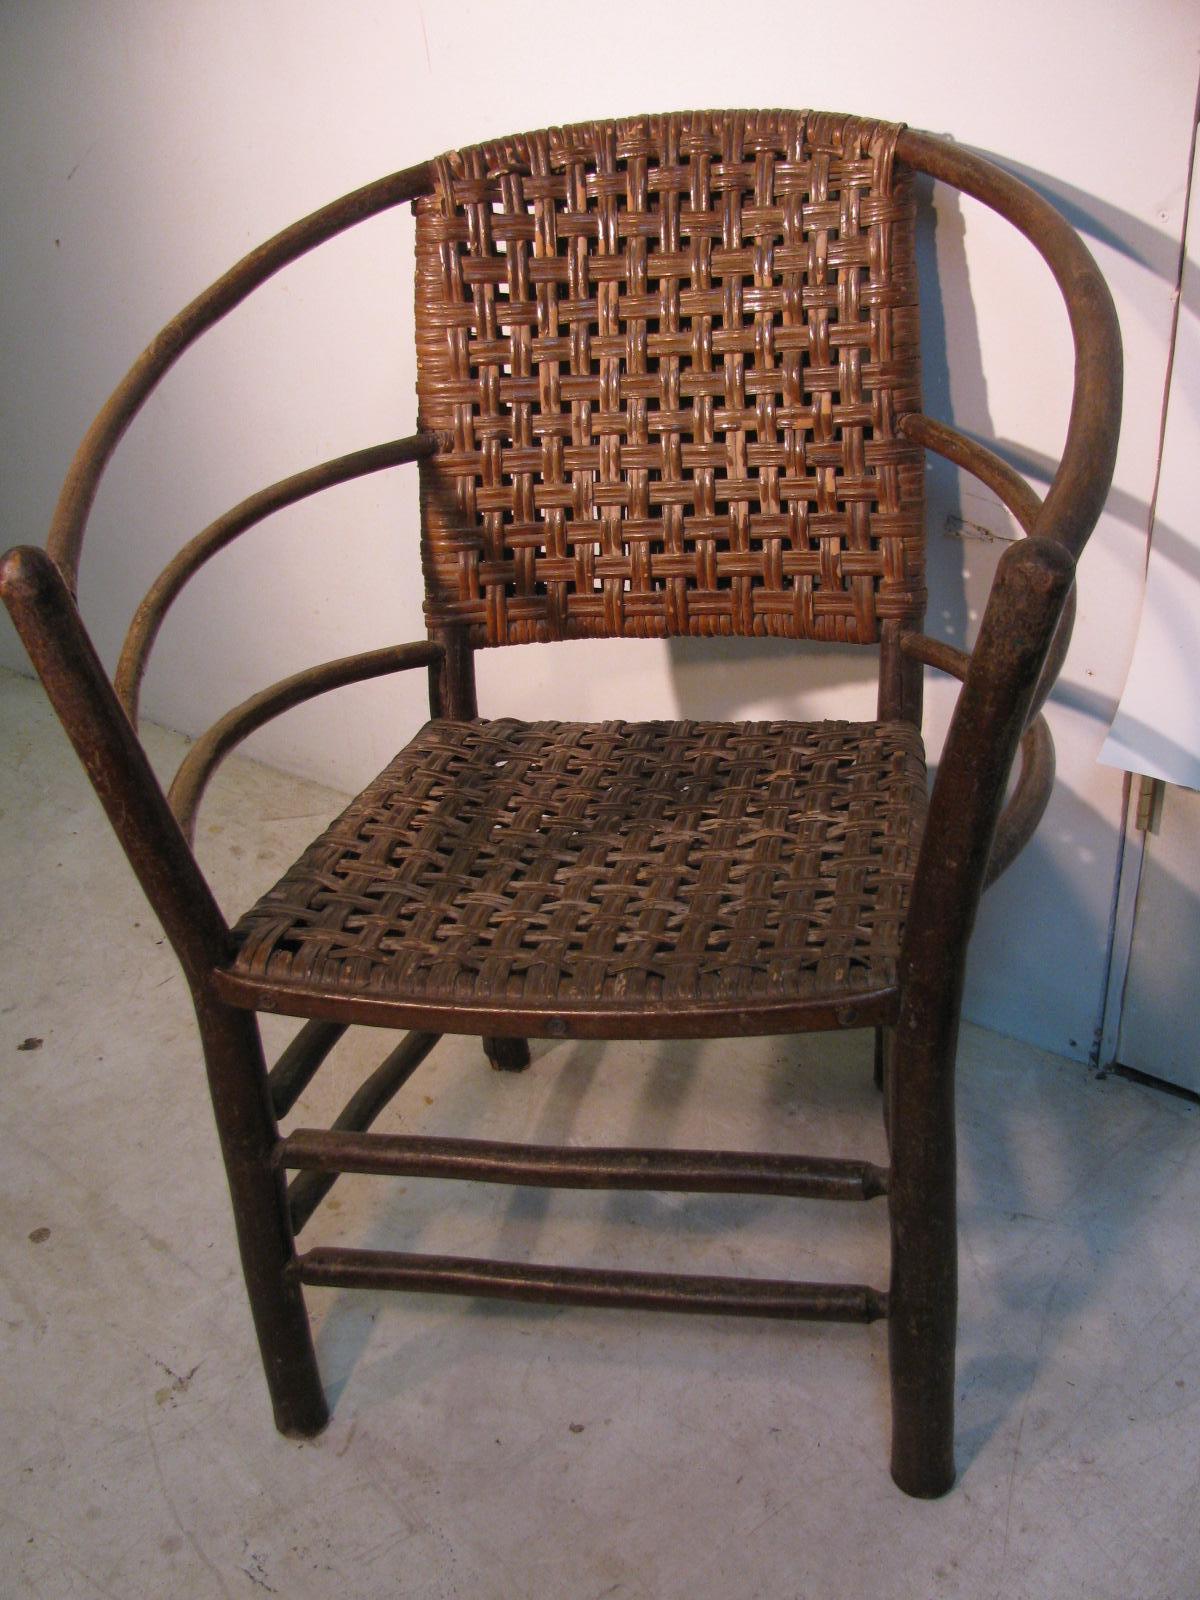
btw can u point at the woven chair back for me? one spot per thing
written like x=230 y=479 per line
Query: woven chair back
x=666 y=357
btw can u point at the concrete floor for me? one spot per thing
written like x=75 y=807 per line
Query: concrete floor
x=483 y=1450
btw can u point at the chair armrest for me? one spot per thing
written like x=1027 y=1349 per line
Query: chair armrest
x=44 y=612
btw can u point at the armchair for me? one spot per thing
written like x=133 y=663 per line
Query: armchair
x=668 y=380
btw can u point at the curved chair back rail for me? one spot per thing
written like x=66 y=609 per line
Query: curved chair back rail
x=1079 y=488
x=1079 y=484
x=167 y=587
x=224 y=736
x=1087 y=459
x=47 y=618
x=513 y=880
x=69 y=523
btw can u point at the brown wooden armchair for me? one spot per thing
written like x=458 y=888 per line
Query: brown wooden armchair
x=668 y=382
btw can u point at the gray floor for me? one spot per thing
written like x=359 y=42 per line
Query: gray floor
x=482 y=1450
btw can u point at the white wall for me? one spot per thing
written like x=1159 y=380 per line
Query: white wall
x=147 y=145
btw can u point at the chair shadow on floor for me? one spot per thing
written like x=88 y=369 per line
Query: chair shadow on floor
x=813 y=1092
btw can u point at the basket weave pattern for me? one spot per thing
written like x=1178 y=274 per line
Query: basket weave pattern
x=666 y=356
x=616 y=863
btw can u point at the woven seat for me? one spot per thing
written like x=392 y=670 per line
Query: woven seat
x=620 y=866
x=668 y=384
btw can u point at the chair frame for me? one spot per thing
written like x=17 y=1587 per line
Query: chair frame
x=971 y=836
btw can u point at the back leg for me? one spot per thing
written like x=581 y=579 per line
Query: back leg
x=507 y=1055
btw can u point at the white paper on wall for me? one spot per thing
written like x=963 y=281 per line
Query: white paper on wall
x=1157 y=727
